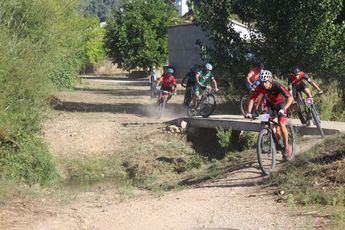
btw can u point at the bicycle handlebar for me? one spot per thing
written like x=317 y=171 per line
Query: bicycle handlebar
x=165 y=92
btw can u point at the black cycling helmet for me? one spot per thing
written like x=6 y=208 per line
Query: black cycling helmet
x=295 y=70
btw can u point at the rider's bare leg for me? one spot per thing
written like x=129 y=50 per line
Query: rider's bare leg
x=307 y=92
x=258 y=102
x=283 y=128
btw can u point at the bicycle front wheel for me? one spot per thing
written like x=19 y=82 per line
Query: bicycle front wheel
x=266 y=152
x=191 y=109
x=244 y=104
x=161 y=106
x=292 y=139
x=207 y=106
x=317 y=121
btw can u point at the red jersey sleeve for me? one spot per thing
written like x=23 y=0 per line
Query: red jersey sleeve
x=298 y=78
x=284 y=91
x=172 y=80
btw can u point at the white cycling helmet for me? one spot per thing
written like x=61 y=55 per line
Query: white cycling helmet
x=208 y=66
x=265 y=75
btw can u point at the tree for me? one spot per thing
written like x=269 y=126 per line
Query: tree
x=308 y=33
x=229 y=49
x=136 y=36
x=99 y=8
x=299 y=32
x=95 y=51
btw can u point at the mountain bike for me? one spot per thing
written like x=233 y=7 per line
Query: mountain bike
x=307 y=111
x=188 y=95
x=270 y=140
x=205 y=105
x=162 y=101
x=244 y=104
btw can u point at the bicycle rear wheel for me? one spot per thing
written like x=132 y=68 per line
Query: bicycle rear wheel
x=256 y=110
x=207 y=106
x=317 y=121
x=266 y=152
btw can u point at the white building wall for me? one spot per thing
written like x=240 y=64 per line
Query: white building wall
x=182 y=48
x=181 y=6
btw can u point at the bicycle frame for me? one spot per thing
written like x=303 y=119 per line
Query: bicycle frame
x=164 y=93
x=268 y=122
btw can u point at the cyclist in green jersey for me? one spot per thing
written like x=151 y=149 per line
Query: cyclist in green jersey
x=204 y=78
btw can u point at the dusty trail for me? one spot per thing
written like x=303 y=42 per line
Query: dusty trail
x=234 y=202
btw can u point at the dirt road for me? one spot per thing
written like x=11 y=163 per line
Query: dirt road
x=90 y=122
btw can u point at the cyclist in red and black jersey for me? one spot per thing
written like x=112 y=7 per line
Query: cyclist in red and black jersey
x=168 y=82
x=296 y=84
x=277 y=100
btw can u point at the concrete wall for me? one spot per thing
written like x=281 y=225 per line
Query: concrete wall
x=183 y=51
x=108 y=68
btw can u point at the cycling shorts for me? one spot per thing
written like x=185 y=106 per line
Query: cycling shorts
x=167 y=88
x=274 y=109
x=299 y=87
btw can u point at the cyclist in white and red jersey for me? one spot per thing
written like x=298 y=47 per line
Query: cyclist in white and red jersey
x=168 y=82
x=275 y=95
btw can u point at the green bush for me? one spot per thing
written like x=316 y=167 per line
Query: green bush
x=41 y=44
x=242 y=141
x=247 y=140
x=27 y=161
x=224 y=137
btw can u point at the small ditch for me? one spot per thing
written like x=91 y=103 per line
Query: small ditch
x=77 y=185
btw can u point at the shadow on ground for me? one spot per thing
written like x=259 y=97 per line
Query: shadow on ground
x=121 y=92
x=128 y=108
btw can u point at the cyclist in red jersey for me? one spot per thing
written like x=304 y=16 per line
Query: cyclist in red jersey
x=252 y=80
x=296 y=84
x=274 y=94
x=168 y=82
x=253 y=76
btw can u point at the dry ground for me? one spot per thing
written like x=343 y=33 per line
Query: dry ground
x=95 y=120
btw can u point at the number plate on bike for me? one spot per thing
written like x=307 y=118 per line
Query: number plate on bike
x=264 y=117
x=309 y=101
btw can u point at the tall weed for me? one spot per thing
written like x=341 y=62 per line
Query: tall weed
x=330 y=104
x=41 y=43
